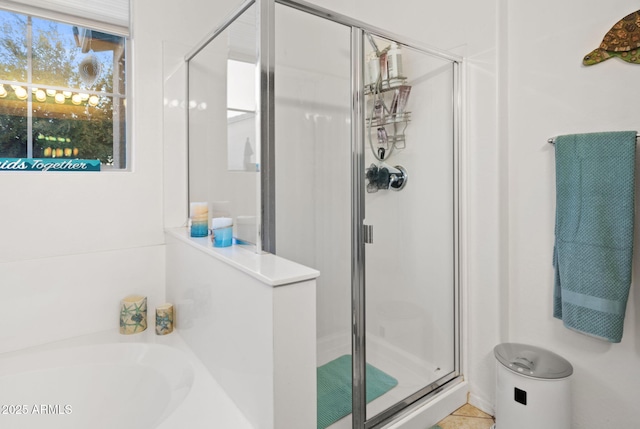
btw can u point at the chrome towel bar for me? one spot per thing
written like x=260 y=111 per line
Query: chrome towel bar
x=552 y=140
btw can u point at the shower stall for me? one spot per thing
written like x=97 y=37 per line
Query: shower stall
x=335 y=144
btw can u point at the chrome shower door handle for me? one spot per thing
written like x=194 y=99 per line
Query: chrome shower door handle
x=367 y=233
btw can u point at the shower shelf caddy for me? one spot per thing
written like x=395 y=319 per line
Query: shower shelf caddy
x=385 y=93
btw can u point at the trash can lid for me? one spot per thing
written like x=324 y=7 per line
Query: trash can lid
x=532 y=361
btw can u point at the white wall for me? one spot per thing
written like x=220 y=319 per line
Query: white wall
x=551 y=93
x=74 y=244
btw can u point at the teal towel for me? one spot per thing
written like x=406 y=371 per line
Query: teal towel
x=594 y=231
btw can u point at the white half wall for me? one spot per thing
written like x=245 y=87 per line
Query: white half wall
x=79 y=242
x=256 y=338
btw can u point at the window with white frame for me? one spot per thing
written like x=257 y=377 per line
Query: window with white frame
x=62 y=91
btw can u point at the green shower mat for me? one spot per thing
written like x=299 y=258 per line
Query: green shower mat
x=334 y=389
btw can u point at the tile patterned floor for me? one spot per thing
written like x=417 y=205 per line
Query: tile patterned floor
x=467 y=417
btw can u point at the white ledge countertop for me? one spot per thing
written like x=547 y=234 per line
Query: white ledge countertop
x=268 y=268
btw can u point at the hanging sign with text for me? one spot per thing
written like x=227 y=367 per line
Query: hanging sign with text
x=37 y=164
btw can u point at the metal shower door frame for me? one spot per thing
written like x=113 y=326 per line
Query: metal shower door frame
x=408 y=404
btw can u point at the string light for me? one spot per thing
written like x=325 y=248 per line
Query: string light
x=59 y=97
x=21 y=93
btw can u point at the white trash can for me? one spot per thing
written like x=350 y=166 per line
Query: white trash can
x=533 y=388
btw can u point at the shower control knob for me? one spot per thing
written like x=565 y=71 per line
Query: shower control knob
x=397 y=181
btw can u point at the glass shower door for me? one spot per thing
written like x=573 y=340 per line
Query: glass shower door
x=313 y=187
x=401 y=161
x=410 y=210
